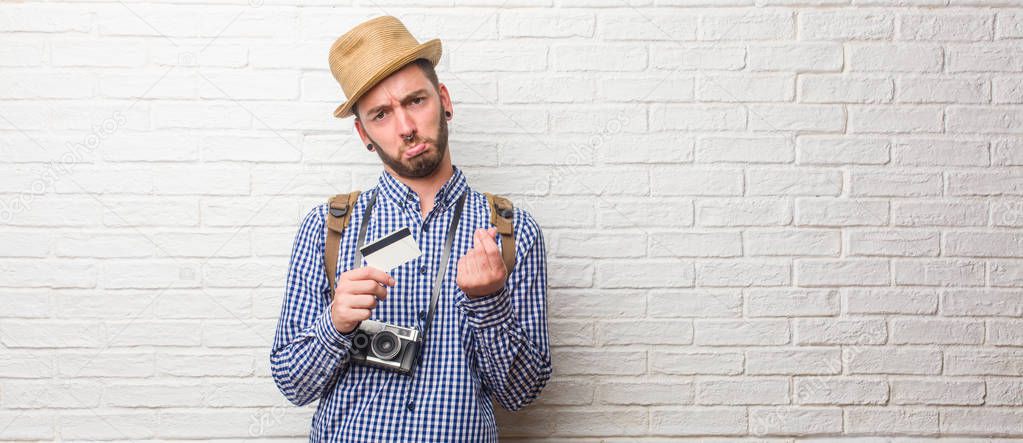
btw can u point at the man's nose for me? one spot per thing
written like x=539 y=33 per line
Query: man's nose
x=407 y=127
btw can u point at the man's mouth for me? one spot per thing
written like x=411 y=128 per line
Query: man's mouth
x=416 y=150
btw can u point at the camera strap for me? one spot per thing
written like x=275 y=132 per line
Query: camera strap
x=444 y=258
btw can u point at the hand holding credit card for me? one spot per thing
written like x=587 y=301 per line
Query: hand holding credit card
x=391 y=251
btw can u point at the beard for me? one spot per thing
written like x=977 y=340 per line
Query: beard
x=424 y=164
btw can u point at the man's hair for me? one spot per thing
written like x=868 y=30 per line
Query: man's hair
x=428 y=70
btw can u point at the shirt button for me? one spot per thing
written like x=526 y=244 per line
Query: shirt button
x=411 y=405
x=422 y=314
x=422 y=269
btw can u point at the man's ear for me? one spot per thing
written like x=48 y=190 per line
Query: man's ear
x=445 y=97
x=361 y=131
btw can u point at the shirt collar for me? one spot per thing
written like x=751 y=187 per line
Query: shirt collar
x=402 y=195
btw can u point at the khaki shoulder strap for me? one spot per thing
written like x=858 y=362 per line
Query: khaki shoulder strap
x=502 y=214
x=339 y=213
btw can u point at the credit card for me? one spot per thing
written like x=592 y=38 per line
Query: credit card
x=391 y=251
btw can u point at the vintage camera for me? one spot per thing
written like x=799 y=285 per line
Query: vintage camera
x=386 y=346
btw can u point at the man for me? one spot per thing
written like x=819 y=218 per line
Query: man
x=488 y=337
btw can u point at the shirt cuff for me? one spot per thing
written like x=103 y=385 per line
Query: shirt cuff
x=489 y=310
x=330 y=337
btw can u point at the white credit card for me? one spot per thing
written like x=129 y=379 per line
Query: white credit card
x=392 y=250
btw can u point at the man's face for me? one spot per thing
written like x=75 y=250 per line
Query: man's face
x=402 y=105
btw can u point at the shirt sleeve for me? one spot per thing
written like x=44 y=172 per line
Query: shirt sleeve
x=308 y=353
x=510 y=345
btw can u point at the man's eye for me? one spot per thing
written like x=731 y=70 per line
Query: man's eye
x=378 y=116
x=418 y=100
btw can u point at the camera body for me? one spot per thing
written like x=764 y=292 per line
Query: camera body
x=386 y=346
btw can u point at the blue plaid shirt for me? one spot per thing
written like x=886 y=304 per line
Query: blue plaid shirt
x=490 y=347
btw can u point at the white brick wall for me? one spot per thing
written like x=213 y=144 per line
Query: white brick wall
x=777 y=219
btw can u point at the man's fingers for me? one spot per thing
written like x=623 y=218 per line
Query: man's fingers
x=360 y=314
x=368 y=287
x=476 y=239
x=490 y=254
x=362 y=301
x=371 y=273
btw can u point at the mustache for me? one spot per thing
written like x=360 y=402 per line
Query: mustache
x=417 y=142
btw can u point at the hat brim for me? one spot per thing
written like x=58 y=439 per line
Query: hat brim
x=430 y=50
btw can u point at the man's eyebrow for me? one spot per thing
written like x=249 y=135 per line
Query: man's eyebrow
x=408 y=97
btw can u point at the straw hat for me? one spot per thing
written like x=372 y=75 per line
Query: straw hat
x=371 y=51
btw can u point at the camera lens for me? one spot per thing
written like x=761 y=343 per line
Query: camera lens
x=360 y=341
x=385 y=345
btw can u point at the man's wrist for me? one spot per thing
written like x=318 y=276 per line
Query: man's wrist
x=485 y=311
x=476 y=297
x=329 y=335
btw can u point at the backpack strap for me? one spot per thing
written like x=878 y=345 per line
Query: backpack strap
x=339 y=213
x=501 y=215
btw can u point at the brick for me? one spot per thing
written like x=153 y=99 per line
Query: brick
x=672 y=26
x=604 y=57
x=983 y=244
x=842 y=273
x=958 y=26
x=840 y=391
x=696 y=182
x=583 y=423
x=841 y=212
x=743 y=212
x=590 y=303
x=983 y=362
x=937 y=392
x=988 y=421
x=893 y=243
x=923 y=89
x=637 y=274
x=742 y=391
x=938 y=273
x=803 y=360
x=695 y=244
x=742 y=273
x=744 y=150
x=793 y=242
x=794 y=182
x=1005 y=332
x=738 y=332
x=693 y=362
x=599 y=362
x=699 y=421
x=541 y=24
x=888 y=57
x=647 y=393
x=890 y=301
x=892 y=360
x=1004 y=391
x=840 y=332
x=982 y=302
x=791 y=302
x=631 y=332
x=941 y=332
x=767 y=25
x=828 y=150
x=566 y=393
x=794 y=421
x=845 y=89
x=695 y=303
x=875 y=184
x=939 y=213
x=843 y=25
x=892 y=421
x=798 y=57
